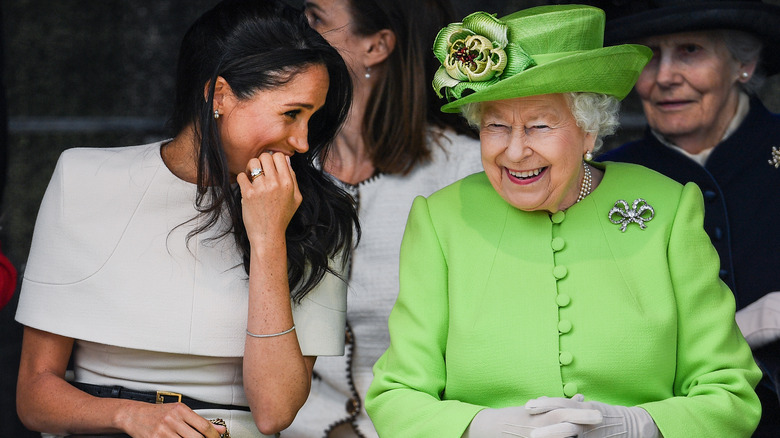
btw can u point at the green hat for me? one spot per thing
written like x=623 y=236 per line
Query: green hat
x=542 y=50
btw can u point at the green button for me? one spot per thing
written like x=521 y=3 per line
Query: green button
x=570 y=389
x=566 y=358
x=563 y=300
x=564 y=326
x=558 y=243
x=558 y=217
x=560 y=272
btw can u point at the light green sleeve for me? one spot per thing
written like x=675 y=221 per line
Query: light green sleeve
x=716 y=372
x=404 y=397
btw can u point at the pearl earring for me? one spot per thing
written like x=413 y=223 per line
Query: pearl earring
x=745 y=75
x=216 y=114
x=588 y=156
x=368 y=72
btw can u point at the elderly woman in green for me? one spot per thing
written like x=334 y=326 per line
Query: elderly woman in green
x=551 y=296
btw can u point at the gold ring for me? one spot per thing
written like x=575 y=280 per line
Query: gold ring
x=254 y=173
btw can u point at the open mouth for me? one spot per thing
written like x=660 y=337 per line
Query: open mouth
x=526 y=175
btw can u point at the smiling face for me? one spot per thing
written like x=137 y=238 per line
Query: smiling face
x=532 y=151
x=275 y=119
x=689 y=88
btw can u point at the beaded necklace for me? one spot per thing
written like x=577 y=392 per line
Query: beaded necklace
x=587 y=182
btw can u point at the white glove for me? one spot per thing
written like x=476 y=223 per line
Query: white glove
x=618 y=421
x=518 y=421
x=760 y=321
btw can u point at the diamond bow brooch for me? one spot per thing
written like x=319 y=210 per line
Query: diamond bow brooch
x=640 y=212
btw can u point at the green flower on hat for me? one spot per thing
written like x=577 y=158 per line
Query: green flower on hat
x=473 y=55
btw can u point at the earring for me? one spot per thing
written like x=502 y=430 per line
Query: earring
x=744 y=75
x=216 y=114
x=368 y=72
x=588 y=156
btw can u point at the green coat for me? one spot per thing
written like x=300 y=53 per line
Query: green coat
x=498 y=306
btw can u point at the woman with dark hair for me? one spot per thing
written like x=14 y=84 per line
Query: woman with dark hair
x=395 y=145
x=196 y=279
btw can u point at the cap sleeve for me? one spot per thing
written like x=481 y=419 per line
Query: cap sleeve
x=320 y=318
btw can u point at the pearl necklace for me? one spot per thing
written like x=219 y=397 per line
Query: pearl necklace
x=586 y=184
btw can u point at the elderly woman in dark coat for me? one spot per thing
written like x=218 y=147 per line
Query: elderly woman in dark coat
x=706 y=125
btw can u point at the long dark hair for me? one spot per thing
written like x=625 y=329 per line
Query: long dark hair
x=257 y=45
x=403 y=104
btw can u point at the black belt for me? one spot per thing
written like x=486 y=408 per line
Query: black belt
x=152 y=397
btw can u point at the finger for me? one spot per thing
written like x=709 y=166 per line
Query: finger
x=560 y=430
x=296 y=189
x=182 y=421
x=546 y=404
x=213 y=430
x=575 y=415
x=220 y=429
x=254 y=169
x=243 y=182
x=255 y=172
x=267 y=162
x=200 y=427
x=282 y=163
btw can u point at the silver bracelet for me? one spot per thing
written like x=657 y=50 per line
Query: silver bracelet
x=272 y=334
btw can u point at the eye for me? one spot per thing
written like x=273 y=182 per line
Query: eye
x=292 y=114
x=689 y=48
x=494 y=127
x=313 y=18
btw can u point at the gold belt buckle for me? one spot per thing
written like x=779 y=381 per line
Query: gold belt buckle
x=161 y=397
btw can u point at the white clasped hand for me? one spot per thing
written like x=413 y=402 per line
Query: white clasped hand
x=519 y=421
x=617 y=421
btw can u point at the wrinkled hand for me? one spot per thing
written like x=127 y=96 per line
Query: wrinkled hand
x=760 y=321
x=519 y=421
x=146 y=420
x=617 y=421
x=269 y=201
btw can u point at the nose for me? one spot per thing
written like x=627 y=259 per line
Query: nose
x=299 y=139
x=668 y=71
x=518 y=147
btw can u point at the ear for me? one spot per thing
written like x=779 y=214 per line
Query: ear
x=748 y=68
x=589 y=143
x=380 y=46
x=222 y=91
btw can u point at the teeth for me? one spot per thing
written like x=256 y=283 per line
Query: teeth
x=526 y=174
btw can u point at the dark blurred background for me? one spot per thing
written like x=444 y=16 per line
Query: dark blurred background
x=99 y=73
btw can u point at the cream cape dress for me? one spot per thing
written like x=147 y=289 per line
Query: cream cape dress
x=111 y=267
